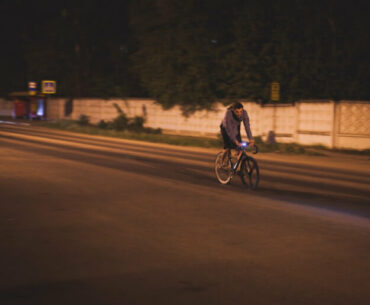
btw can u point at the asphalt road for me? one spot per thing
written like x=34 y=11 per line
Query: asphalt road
x=92 y=220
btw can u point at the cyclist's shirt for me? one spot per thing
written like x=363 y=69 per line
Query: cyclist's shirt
x=231 y=124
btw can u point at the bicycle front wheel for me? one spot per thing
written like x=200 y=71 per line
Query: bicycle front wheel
x=250 y=173
x=223 y=172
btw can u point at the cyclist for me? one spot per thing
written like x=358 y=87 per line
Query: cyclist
x=230 y=129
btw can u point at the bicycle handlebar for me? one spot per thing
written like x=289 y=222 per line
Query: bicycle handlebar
x=244 y=145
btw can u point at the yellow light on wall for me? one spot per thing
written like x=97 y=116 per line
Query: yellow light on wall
x=48 y=87
x=275 y=91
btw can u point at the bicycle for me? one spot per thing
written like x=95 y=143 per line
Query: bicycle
x=249 y=171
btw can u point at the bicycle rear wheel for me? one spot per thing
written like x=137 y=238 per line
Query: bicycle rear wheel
x=223 y=173
x=250 y=173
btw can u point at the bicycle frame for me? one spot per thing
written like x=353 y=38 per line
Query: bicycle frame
x=236 y=165
x=241 y=157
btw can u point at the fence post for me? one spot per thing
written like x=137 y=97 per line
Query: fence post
x=336 y=119
x=297 y=114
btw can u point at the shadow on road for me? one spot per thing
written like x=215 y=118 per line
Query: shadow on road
x=276 y=182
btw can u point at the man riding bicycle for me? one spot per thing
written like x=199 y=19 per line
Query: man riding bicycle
x=230 y=128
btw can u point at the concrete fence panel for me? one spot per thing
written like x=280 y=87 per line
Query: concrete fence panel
x=344 y=124
x=280 y=119
x=315 y=123
x=352 y=125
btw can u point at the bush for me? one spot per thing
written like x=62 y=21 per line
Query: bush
x=152 y=130
x=102 y=124
x=120 y=123
x=136 y=124
x=83 y=120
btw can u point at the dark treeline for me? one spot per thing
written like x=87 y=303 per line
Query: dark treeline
x=188 y=52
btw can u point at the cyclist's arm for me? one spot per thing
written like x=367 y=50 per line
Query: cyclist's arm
x=247 y=125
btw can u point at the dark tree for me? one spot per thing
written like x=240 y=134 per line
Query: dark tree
x=188 y=53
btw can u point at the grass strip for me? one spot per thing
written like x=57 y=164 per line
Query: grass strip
x=141 y=136
x=75 y=126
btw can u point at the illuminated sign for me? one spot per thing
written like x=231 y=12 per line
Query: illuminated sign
x=48 y=87
x=32 y=88
x=275 y=91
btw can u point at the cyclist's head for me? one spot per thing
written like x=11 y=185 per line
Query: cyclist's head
x=237 y=108
x=237 y=105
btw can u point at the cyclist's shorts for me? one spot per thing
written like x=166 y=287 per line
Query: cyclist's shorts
x=228 y=143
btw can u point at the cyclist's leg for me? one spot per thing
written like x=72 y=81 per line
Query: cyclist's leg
x=239 y=152
x=225 y=156
x=228 y=145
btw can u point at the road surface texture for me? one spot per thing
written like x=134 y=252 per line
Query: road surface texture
x=93 y=220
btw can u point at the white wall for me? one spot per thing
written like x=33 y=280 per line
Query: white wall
x=344 y=124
